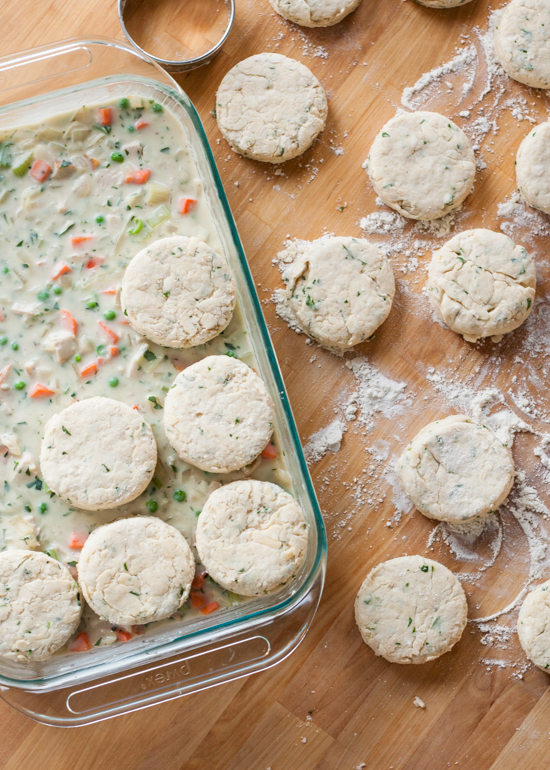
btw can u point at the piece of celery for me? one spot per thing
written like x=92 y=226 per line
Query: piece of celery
x=21 y=163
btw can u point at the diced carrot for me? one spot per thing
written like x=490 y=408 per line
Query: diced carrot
x=94 y=163
x=88 y=370
x=77 y=540
x=212 y=607
x=104 y=116
x=40 y=391
x=94 y=262
x=141 y=124
x=100 y=361
x=197 y=599
x=270 y=452
x=80 y=643
x=140 y=176
x=108 y=331
x=68 y=321
x=60 y=268
x=124 y=322
x=136 y=407
x=122 y=635
x=40 y=170
x=110 y=290
x=114 y=351
x=187 y=205
x=198 y=581
x=78 y=240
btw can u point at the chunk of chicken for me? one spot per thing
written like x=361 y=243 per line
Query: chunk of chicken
x=61 y=343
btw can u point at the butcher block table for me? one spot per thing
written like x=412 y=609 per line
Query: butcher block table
x=333 y=705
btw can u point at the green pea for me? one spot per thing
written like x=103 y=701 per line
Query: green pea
x=156 y=107
x=152 y=505
x=78 y=358
x=117 y=157
x=180 y=495
x=14 y=346
x=131 y=129
x=57 y=290
x=109 y=315
x=6 y=270
x=43 y=507
x=99 y=219
x=43 y=295
x=113 y=382
x=91 y=304
x=19 y=385
x=3 y=340
x=124 y=103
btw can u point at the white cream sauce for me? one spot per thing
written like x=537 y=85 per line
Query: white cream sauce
x=71 y=218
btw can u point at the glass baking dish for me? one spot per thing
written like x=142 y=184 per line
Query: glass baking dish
x=177 y=659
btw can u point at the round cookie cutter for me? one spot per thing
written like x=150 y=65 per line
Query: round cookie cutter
x=183 y=65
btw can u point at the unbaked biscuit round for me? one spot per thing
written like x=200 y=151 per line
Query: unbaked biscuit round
x=534 y=626
x=178 y=292
x=270 y=107
x=522 y=41
x=422 y=165
x=455 y=470
x=314 y=13
x=443 y=3
x=98 y=453
x=39 y=605
x=340 y=289
x=411 y=610
x=481 y=284
x=218 y=414
x=135 y=571
x=251 y=537
x=532 y=163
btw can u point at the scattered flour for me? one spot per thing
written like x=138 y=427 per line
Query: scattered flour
x=465 y=60
x=327 y=439
x=375 y=393
x=463 y=538
x=383 y=223
x=520 y=216
x=526 y=507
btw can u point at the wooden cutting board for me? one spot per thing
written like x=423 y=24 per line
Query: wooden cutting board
x=333 y=705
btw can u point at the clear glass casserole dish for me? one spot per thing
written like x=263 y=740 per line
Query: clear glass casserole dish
x=177 y=659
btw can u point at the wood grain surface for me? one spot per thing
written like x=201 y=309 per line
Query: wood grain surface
x=333 y=705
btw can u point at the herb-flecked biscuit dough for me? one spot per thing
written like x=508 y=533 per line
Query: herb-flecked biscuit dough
x=422 y=165
x=522 y=41
x=178 y=292
x=340 y=289
x=443 y=3
x=270 y=108
x=532 y=163
x=39 y=605
x=218 y=414
x=251 y=537
x=481 y=284
x=136 y=570
x=411 y=610
x=314 y=13
x=455 y=470
x=534 y=626
x=98 y=453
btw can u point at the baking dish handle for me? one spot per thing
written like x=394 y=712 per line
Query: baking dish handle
x=254 y=649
